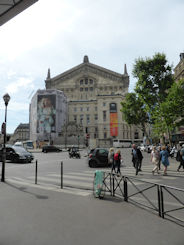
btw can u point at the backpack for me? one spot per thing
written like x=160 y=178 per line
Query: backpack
x=116 y=156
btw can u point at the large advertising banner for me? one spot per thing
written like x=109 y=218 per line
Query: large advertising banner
x=113 y=120
x=46 y=113
x=114 y=124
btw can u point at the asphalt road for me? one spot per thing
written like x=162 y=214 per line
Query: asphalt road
x=46 y=214
x=51 y=163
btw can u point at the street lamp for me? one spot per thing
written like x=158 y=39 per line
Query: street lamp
x=6 y=99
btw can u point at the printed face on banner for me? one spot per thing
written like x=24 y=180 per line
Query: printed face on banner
x=46 y=114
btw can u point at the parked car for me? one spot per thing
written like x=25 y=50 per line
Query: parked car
x=98 y=158
x=17 y=154
x=50 y=148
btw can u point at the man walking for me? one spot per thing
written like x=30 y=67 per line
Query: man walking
x=181 y=159
x=136 y=158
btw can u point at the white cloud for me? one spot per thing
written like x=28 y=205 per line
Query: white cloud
x=21 y=83
x=57 y=34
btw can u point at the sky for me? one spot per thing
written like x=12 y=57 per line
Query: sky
x=57 y=34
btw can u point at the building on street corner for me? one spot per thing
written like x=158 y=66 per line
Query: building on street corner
x=48 y=115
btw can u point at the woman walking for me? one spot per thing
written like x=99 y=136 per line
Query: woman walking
x=117 y=159
x=111 y=159
x=164 y=158
x=155 y=156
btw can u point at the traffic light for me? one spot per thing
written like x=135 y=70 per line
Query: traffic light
x=3 y=128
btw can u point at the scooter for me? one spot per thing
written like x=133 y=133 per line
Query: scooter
x=173 y=152
x=74 y=154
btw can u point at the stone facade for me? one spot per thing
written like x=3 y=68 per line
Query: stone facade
x=90 y=89
x=178 y=137
x=21 y=133
x=179 y=69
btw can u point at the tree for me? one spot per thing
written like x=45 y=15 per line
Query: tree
x=133 y=111
x=154 y=79
x=170 y=114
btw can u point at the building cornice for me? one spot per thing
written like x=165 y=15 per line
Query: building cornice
x=86 y=68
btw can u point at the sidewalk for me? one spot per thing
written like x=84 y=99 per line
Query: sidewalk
x=31 y=215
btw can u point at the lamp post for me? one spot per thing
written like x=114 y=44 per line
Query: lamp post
x=6 y=99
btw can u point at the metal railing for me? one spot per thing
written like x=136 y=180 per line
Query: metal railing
x=166 y=201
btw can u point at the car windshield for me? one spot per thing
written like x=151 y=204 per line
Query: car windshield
x=19 y=149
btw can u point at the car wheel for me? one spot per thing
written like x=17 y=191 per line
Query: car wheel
x=92 y=164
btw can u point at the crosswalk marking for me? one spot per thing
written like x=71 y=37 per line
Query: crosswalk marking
x=84 y=180
x=51 y=187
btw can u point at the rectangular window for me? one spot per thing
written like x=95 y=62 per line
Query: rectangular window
x=87 y=119
x=75 y=118
x=86 y=81
x=91 y=88
x=104 y=116
x=96 y=117
x=81 y=118
x=81 y=89
x=75 y=109
x=95 y=108
x=87 y=108
x=81 y=82
x=86 y=89
x=105 y=135
x=81 y=109
x=104 y=104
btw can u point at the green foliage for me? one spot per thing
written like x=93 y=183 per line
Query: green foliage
x=170 y=113
x=156 y=94
x=154 y=79
x=133 y=111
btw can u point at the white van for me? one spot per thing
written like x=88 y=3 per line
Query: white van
x=18 y=143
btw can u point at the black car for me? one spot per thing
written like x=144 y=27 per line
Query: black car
x=98 y=158
x=50 y=148
x=17 y=154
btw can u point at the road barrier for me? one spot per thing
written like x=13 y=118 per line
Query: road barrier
x=166 y=201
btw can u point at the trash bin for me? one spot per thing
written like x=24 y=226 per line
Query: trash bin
x=98 y=186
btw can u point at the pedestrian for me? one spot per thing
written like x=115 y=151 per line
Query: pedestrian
x=155 y=156
x=117 y=161
x=164 y=158
x=180 y=157
x=159 y=150
x=136 y=158
x=140 y=157
x=111 y=159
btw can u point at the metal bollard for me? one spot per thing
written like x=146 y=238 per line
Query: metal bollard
x=113 y=184
x=125 y=190
x=61 y=175
x=36 y=171
x=162 y=201
x=159 y=200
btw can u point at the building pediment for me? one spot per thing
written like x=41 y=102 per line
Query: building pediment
x=85 y=69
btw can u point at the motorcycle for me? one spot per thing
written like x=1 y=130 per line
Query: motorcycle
x=74 y=154
x=173 y=152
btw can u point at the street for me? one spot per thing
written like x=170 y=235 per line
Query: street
x=78 y=174
x=45 y=213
